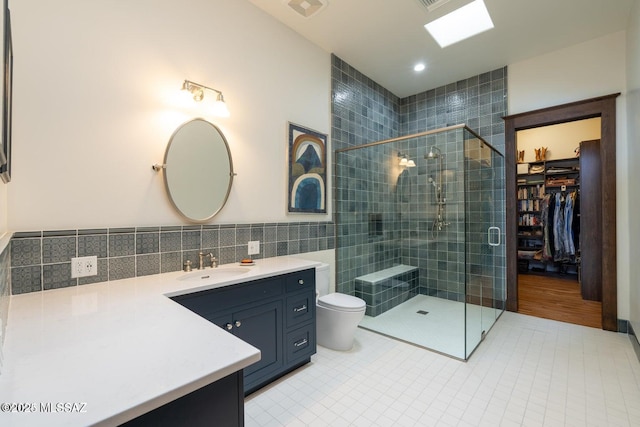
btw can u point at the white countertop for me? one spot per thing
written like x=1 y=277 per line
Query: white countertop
x=117 y=349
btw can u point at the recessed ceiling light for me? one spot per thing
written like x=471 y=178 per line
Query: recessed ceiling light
x=460 y=24
x=419 y=67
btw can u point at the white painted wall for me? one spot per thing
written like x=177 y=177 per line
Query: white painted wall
x=3 y=209
x=97 y=97
x=561 y=140
x=586 y=70
x=3 y=186
x=633 y=112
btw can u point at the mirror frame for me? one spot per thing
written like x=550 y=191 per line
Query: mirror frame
x=231 y=172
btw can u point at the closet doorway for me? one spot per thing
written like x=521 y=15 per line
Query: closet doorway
x=557 y=200
x=604 y=276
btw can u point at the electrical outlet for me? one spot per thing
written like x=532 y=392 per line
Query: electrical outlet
x=84 y=266
x=254 y=247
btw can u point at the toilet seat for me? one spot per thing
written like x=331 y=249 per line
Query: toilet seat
x=342 y=302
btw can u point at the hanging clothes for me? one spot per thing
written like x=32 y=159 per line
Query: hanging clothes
x=558 y=228
x=550 y=220
x=570 y=249
x=547 y=253
x=563 y=229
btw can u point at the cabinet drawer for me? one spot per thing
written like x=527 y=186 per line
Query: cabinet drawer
x=300 y=308
x=301 y=280
x=301 y=343
x=211 y=301
x=260 y=290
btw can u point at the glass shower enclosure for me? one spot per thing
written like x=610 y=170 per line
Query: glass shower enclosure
x=420 y=238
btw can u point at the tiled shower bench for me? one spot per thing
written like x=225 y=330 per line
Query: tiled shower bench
x=385 y=289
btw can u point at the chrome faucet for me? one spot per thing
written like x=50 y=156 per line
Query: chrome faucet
x=201 y=255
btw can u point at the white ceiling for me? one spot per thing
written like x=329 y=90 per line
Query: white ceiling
x=384 y=39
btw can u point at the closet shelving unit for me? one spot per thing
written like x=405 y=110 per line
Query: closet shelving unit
x=543 y=177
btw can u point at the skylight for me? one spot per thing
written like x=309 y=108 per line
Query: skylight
x=462 y=23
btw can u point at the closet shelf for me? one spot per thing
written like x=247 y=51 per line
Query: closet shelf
x=562 y=185
x=548 y=178
x=563 y=172
x=531 y=183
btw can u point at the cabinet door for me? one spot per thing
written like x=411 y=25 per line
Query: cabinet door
x=224 y=321
x=218 y=404
x=261 y=326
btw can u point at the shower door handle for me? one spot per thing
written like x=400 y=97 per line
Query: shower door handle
x=497 y=233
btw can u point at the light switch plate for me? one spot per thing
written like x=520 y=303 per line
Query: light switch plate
x=254 y=247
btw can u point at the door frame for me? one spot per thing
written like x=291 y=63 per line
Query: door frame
x=605 y=108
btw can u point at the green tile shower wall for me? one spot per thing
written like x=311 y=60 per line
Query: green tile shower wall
x=365 y=112
x=42 y=260
x=362 y=112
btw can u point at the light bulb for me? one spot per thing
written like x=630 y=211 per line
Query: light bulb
x=220 y=108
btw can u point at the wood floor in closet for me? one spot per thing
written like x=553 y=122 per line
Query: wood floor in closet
x=557 y=299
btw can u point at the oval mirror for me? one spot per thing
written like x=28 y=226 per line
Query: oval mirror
x=198 y=171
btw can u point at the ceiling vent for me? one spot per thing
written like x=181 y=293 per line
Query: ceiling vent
x=307 y=8
x=431 y=5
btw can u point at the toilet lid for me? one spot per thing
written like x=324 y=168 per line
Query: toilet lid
x=342 y=302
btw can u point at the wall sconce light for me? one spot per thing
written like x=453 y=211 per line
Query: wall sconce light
x=197 y=90
x=405 y=161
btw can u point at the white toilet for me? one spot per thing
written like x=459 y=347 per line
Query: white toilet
x=337 y=315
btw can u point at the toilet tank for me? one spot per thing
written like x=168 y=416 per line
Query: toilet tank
x=322 y=279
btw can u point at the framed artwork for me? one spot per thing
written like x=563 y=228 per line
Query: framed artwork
x=307 y=170
x=7 y=92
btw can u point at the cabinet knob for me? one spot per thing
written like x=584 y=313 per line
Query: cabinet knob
x=300 y=282
x=238 y=323
x=229 y=326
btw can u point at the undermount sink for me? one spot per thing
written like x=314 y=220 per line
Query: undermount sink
x=214 y=273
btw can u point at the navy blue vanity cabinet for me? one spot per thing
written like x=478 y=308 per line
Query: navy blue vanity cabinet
x=261 y=326
x=219 y=404
x=300 y=309
x=276 y=315
x=253 y=312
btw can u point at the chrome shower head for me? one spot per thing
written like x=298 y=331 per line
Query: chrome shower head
x=432 y=154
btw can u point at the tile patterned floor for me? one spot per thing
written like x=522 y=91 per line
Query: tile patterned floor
x=527 y=372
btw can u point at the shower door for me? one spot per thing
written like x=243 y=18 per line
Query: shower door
x=485 y=248
x=430 y=206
